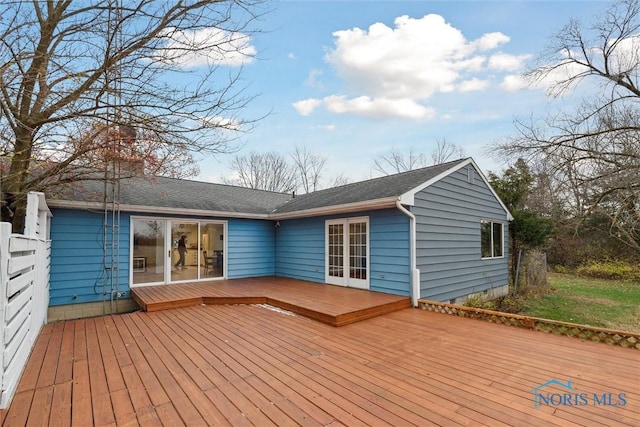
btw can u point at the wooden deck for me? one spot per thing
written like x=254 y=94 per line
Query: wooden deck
x=334 y=305
x=245 y=365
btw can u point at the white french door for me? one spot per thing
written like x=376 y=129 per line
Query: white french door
x=347 y=252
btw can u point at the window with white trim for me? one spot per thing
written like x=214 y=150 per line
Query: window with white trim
x=491 y=239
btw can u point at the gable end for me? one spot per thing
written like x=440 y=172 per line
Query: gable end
x=408 y=198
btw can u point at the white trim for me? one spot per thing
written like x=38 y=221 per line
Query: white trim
x=387 y=202
x=346 y=280
x=384 y=203
x=415 y=273
x=491 y=221
x=65 y=204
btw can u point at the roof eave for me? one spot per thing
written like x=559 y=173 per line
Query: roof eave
x=408 y=198
x=384 y=203
x=66 y=204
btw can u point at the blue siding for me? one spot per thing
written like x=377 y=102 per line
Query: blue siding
x=390 y=253
x=250 y=250
x=448 y=217
x=77 y=273
x=300 y=250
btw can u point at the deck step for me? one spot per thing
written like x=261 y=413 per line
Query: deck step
x=333 y=305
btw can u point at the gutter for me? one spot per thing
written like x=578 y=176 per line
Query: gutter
x=415 y=273
x=99 y=206
x=384 y=203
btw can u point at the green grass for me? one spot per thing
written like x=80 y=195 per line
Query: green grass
x=612 y=304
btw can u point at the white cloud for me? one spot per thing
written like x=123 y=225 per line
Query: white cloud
x=306 y=106
x=365 y=106
x=513 y=83
x=416 y=59
x=211 y=46
x=325 y=127
x=219 y=122
x=394 y=71
x=313 y=79
x=555 y=82
x=561 y=76
x=490 y=41
x=625 y=56
x=506 y=62
x=377 y=108
x=291 y=55
x=472 y=85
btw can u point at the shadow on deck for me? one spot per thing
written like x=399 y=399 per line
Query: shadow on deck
x=333 y=305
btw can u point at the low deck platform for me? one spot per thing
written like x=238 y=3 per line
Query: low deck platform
x=333 y=305
x=249 y=366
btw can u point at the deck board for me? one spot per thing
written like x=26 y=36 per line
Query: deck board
x=334 y=305
x=247 y=365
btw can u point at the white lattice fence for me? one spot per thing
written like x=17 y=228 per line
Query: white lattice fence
x=24 y=292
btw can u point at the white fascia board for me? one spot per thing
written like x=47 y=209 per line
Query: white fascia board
x=64 y=204
x=408 y=198
x=388 y=202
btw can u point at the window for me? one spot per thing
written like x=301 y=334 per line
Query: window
x=491 y=239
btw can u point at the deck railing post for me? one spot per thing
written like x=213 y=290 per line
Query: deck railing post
x=5 y=235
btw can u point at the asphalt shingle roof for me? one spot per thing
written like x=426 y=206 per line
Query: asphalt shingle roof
x=181 y=194
x=372 y=189
x=195 y=195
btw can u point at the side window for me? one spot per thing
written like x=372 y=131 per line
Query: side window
x=491 y=239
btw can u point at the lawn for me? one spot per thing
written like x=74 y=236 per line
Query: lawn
x=596 y=302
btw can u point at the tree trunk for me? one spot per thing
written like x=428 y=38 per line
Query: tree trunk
x=14 y=208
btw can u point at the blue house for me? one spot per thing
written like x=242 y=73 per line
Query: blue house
x=439 y=233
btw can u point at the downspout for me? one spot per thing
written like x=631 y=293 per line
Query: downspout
x=415 y=273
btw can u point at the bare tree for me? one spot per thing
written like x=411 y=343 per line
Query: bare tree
x=594 y=148
x=264 y=171
x=309 y=167
x=446 y=151
x=338 y=180
x=163 y=67
x=396 y=161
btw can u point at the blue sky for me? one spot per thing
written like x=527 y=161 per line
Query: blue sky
x=352 y=80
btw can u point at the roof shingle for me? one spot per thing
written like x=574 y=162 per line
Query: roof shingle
x=372 y=189
x=184 y=194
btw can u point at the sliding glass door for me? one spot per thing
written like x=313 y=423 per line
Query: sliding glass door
x=173 y=251
x=184 y=251
x=149 y=255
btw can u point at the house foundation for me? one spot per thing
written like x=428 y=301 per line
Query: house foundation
x=486 y=295
x=91 y=309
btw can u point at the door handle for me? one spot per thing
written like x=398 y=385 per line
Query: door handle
x=169 y=253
